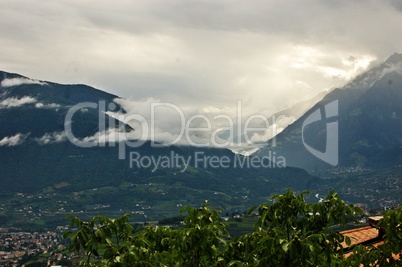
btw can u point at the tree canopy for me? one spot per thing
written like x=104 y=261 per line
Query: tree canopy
x=289 y=232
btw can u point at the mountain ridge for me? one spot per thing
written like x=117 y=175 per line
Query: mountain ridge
x=358 y=124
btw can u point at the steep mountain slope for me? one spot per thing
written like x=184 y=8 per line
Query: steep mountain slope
x=368 y=113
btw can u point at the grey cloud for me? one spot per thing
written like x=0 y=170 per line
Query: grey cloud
x=396 y=3
x=20 y=81
x=200 y=52
x=51 y=138
x=13 y=102
x=14 y=140
x=47 y=106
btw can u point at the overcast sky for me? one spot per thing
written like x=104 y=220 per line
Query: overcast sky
x=269 y=54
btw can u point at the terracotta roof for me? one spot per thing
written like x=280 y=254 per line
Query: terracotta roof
x=368 y=235
x=360 y=235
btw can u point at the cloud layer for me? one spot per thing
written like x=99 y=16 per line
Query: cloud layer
x=270 y=54
x=51 y=138
x=20 y=81
x=14 y=140
x=164 y=123
x=13 y=102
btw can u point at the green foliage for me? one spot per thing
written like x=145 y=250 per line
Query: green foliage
x=109 y=238
x=289 y=232
x=110 y=242
x=201 y=242
x=390 y=226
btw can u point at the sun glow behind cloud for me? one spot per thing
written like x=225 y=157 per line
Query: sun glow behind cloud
x=269 y=54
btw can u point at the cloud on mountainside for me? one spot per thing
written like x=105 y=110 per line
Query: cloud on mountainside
x=48 y=106
x=14 y=140
x=20 y=138
x=20 y=81
x=51 y=138
x=162 y=122
x=13 y=102
x=165 y=123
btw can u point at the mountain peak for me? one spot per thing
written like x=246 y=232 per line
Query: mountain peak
x=394 y=59
x=366 y=79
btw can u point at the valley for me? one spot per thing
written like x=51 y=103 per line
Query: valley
x=47 y=176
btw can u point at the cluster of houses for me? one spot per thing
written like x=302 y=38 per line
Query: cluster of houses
x=18 y=246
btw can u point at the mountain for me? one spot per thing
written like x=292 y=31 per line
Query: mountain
x=38 y=160
x=357 y=125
